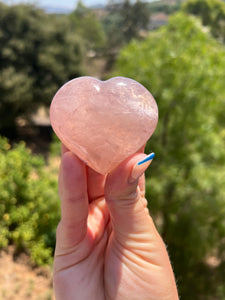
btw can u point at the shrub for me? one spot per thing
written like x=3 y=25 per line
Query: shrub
x=29 y=206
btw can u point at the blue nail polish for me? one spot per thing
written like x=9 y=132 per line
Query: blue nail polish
x=149 y=157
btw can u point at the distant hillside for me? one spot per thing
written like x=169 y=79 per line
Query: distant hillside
x=156 y=6
x=56 y=9
x=60 y=9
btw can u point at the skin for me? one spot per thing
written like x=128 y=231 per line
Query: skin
x=107 y=245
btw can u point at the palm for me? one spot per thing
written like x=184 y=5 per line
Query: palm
x=102 y=255
x=81 y=260
x=96 y=268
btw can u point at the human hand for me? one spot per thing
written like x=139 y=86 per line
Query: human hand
x=107 y=246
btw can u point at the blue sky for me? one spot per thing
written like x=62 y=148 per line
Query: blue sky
x=71 y=4
x=58 y=6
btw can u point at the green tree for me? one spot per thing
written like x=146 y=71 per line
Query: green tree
x=135 y=18
x=212 y=14
x=124 y=21
x=184 y=67
x=87 y=25
x=38 y=53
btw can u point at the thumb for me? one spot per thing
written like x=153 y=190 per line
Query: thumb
x=124 y=196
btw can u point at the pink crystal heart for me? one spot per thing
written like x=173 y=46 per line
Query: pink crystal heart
x=103 y=122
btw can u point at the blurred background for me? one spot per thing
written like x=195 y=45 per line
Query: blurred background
x=176 y=49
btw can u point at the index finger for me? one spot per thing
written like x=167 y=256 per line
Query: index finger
x=95 y=180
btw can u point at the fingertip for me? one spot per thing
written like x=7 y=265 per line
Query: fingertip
x=72 y=174
x=140 y=167
x=71 y=162
x=119 y=179
x=68 y=158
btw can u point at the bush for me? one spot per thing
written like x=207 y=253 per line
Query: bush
x=29 y=206
x=183 y=66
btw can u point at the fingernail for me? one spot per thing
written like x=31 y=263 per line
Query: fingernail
x=146 y=159
x=141 y=167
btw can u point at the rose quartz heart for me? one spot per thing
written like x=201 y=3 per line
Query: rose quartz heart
x=103 y=123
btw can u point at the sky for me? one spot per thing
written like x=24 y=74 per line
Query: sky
x=69 y=4
x=65 y=6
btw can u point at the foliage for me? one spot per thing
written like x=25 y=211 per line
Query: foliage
x=87 y=25
x=184 y=69
x=212 y=14
x=29 y=206
x=161 y=6
x=124 y=22
x=38 y=53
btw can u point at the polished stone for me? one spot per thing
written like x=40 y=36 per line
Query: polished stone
x=103 y=122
